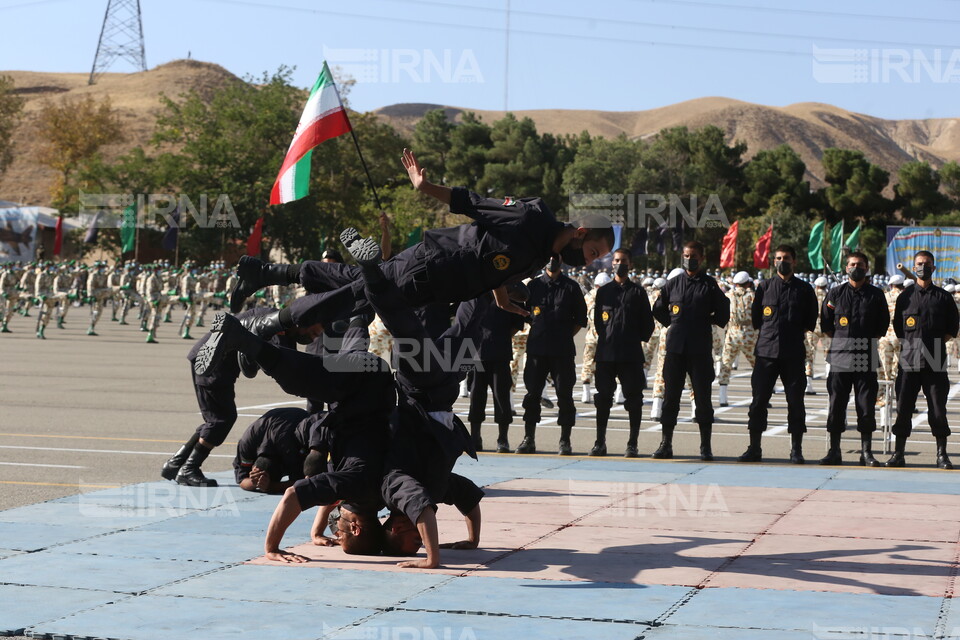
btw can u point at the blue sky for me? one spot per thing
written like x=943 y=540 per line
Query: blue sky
x=883 y=58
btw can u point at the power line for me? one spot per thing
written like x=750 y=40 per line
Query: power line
x=637 y=23
x=474 y=27
x=809 y=12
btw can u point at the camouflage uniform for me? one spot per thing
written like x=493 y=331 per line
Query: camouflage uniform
x=98 y=293
x=9 y=296
x=27 y=286
x=154 y=301
x=590 y=342
x=519 y=351
x=45 y=299
x=128 y=291
x=188 y=287
x=652 y=346
x=889 y=345
x=815 y=336
x=62 y=286
x=381 y=342
x=741 y=337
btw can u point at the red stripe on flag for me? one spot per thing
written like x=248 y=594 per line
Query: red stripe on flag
x=331 y=126
x=58 y=238
x=253 y=242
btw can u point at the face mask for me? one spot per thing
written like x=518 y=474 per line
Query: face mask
x=623 y=269
x=554 y=265
x=690 y=264
x=857 y=274
x=923 y=273
x=573 y=255
x=784 y=268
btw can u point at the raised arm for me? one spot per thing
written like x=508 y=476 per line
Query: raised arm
x=418 y=178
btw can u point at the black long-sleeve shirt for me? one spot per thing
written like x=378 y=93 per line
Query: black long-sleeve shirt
x=924 y=320
x=857 y=318
x=557 y=309
x=689 y=306
x=783 y=312
x=273 y=435
x=623 y=321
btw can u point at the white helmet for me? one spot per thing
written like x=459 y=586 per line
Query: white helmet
x=602 y=279
x=950 y=288
x=821 y=282
x=895 y=280
x=909 y=282
x=742 y=277
x=648 y=281
x=659 y=283
x=676 y=272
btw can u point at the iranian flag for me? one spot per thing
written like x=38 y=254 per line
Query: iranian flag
x=323 y=118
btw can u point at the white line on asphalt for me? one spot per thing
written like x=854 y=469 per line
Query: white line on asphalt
x=134 y=453
x=52 y=466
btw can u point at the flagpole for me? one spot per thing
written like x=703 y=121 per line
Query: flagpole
x=356 y=142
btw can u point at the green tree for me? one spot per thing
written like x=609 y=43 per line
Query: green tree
x=854 y=186
x=74 y=130
x=11 y=107
x=918 y=191
x=950 y=181
x=775 y=171
x=432 y=143
x=469 y=142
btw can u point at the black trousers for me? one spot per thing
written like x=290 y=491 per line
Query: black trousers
x=496 y=375
x=564 y=373
x=865 y=387
x=676 y=367
x=631 y=377
x=765 y=373
x=337 y=290
x=936 y=387
x=218 y=407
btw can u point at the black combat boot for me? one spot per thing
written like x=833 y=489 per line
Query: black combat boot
x=866 y=452
x=943 y=462
x=253 y=274
x=228 y=334
x=833 y=454
x=172 y=466
x=190 y=474
x=665 y=450
x=796 y=448
x=706 y=451
x=899 y=448
x=265 y=327
x=753 y=453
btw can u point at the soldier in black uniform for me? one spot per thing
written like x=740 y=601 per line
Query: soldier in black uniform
x=216 y=395
x=784 y=310
x=925 y=319
x=557 y=312
x=854 y=315
x=274 y=446
x=623 y=321
x=509 y=240
x=688 y=306
x=497 y=328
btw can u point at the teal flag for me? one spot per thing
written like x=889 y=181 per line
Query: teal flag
x=836 y=247
x=128 y=229
x=853 y=241
x=414 y=237
x=815 y=246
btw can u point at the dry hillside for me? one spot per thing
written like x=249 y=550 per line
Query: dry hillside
x=807 y=127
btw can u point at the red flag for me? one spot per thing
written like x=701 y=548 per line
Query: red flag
x=761 y=255
x=58 y=238
x=728 y=248
x=253 y=242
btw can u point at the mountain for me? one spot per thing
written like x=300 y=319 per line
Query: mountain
x=807 y=127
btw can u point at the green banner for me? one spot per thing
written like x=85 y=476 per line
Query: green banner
x=128 y=229
x=836 y=247
x=815 y=246
x=853 y=240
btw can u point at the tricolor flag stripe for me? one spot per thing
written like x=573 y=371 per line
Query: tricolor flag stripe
x=323 y=118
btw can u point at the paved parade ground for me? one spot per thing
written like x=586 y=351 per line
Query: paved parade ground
x=94 y=545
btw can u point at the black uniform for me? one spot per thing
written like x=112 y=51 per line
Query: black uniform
x=497 y=328
x=557 y=312
x=216 y=393
x=623 y=321
x=274 y=435
x=783 y=312
x=857 y=318
x=924 y=320
x=508 y=241
x=689 y=306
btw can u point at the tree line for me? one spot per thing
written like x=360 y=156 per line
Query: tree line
x=232 y=141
